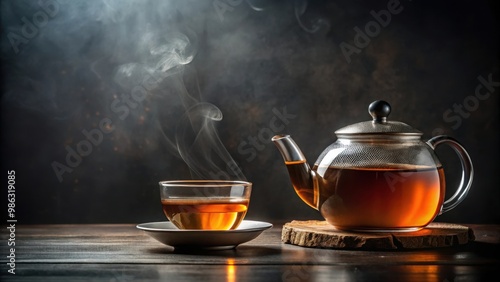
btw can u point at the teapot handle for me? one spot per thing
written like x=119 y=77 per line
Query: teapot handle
x=467 y=170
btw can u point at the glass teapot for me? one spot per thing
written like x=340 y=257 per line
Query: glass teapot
x=377 y=176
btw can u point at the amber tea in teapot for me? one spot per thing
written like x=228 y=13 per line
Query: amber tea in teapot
x=407 y=197
x=378 y=176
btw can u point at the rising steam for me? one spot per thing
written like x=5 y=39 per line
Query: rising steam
x=123 y=61
x=195 y=138
x=200 y=147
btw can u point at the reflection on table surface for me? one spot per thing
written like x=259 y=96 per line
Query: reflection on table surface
x=111 y=252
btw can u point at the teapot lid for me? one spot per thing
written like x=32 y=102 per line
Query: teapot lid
x=379 y=110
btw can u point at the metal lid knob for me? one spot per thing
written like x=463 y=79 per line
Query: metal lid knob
x=379 y=127
x=379 y=110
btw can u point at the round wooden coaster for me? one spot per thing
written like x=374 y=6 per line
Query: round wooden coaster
x=320 y=234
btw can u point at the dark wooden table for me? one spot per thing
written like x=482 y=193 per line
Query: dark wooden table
x=112 y=252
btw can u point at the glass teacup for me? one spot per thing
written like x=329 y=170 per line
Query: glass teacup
x=205 y=204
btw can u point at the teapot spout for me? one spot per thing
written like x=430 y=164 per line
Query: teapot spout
x=304 y=179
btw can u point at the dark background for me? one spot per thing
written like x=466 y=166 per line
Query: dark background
x=247 y=58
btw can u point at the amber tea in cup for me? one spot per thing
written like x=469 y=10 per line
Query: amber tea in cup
x=205 y=204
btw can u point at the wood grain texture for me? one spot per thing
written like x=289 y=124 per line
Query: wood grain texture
x=320 y=234
x=121 y=252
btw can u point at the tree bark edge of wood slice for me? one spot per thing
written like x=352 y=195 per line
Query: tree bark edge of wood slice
x=320 y=234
